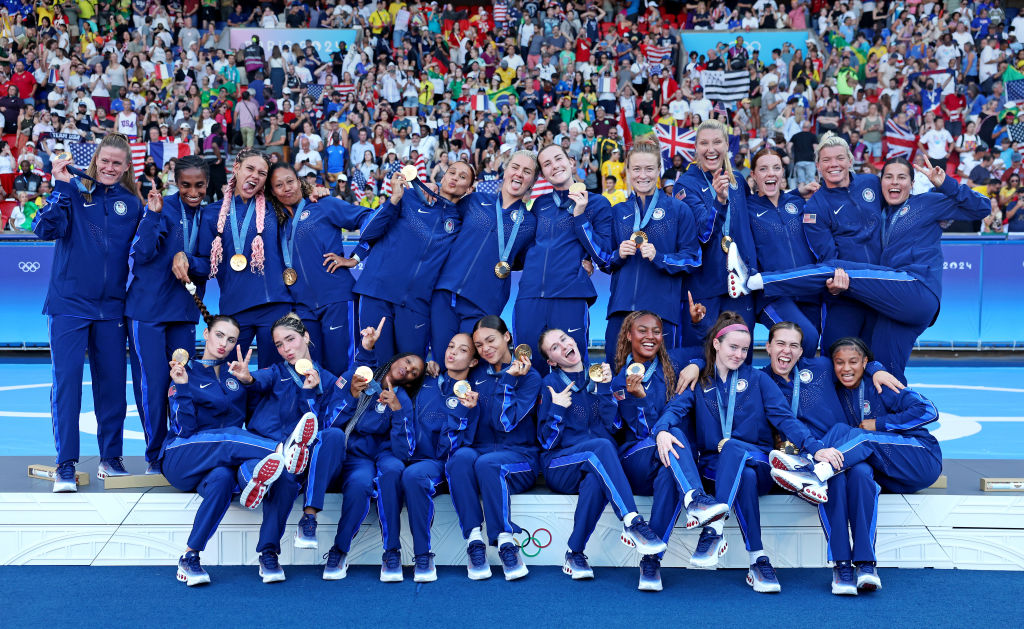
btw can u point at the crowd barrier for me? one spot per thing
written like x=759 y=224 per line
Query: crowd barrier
x=980 y=300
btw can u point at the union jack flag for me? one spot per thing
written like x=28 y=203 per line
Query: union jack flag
x=675 y=141
x=899 y=141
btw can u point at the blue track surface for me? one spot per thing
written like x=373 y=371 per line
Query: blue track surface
x=982 y=410
x=93 y=597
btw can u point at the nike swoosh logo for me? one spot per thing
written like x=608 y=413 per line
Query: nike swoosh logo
x=419 y=326
x=335 y=327
x=840 y=208
x=709 y=390
x=704 y=189
x=571 y=330
x=422 y=211
x=760 y=214
x=203 y=386
x=627 y=217
x=479 y=382
x=285 y=379
x=88 y=204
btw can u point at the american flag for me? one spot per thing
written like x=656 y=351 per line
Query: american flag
x=139 y=152
x=345 y=89
x=1016 y=132
x=421 y=167
x=358 y=184
x=315 y=91
x=500 y=12
x=899 y=141
x=388 y=174
x=1015 y=90
x=541 y=187
x=655 y=54
x=81 y=153
x=489 y=187
x=675 y=141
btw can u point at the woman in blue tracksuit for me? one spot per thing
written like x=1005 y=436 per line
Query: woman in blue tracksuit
x=648 y=275
x=885 y=430
x=642 y=398
x=240 y=246
x=476 y=278
x=93 y=226
x=734 y=408
x=905 y=289
x=842 y=220
x=576 y=425
x=555 y=290
x=161 y=312
x=776 y=220
x=369 y=437
x=437 y=405
x=278 y=396
x=320 y=288
x=717 y=199
x=207 y=451
x=494 y=453
x=411 y=235
x=808 y=385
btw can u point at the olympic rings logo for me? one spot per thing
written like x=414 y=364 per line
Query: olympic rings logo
x=531 y=539
x=28 y=266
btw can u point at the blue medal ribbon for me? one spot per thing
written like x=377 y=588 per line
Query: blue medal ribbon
x=795 y=403
x=505 y=248
x=725 y=417
x=189 y=236
x=650 y=370
x=299 y=380
x=888 y=224
x=728 y=205
x=236 y=233
x=860 y=399
x=639 y=224
x=288 y=242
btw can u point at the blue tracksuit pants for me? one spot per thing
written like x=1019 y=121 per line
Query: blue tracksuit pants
x=592 y=470
x=70 y=338
x=902 y=464
x=532 y=315
x=852 y=507
x=150 y=346
x=449 y=315
x=491 y=477
x=742 y=474
x=326 y=460
x=331 y=329
x=257 y=323
x=362 y=480
x=420 y=481
x=667 y=485
x=406 y=329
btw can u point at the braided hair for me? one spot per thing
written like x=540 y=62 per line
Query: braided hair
x=217 y=249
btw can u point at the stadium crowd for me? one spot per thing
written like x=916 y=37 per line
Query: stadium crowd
x=935 y=77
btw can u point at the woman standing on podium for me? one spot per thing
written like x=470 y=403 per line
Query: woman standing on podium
x=161 y=311
x=93 y=220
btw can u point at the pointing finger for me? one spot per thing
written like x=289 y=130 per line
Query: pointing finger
x=381 y=324
x=567 y=389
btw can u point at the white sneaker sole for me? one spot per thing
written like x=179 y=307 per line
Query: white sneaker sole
x=869 y=584
x=712 y=560
x=712 y=515
x=339 y=575
x=796 y=484
x=101 y=474
x=650 y=586
x=302 y=542
x=516 y=573
x=763 y=588
x=192 y=581
x=391 y=578
x=275 y=577
x=578 y=575
x=263 y=476
x=65 y=487
x=478 y=575
x=782 y=461
x=641 y=546
x=425 y=577
x=844 y=590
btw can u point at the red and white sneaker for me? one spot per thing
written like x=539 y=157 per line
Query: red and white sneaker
x=804 y=482
x=783 y=461
x=263 y=476
x=738 y=272
x=296 y=447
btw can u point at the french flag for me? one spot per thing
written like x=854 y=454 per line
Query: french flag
x=479 y=102
x=163 y=72
x=163 y=151
x=606 y=84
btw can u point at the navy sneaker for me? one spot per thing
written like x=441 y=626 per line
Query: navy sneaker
x=154 y=468
x=761 y=576
x=65 y=481
x=305 y=535
x=640 y=536
x=190 y=571
x=867 y=578
x=424 y=570
x=337 y=565
x=391 y=566
x=477 y=565
x=704 y=510
x=710 y=548
x=844 y=581
x=270 y=568
x=650 y=574
x=111 y=467
x=511 y=562
x=577 y=566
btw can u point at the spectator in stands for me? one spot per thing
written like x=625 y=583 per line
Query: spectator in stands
x=936 y=142
x=802 y=147
x=27 y=180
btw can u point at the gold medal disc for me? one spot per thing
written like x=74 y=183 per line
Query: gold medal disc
x=721 y=444
x=502 y=269
x=62 y=155
x=523 y=351
x=639 y=237
x=577 y=188
x=364 y=372
x=290 y=276
x=726 y=241
x=239 y=262
x=180 y=356
x=635 y=369
x=303 y=366
x=596 y=373
x=410 y=173
x=461 y=389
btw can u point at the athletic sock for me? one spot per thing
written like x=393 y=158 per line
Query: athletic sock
x=630 y=518
x=755 y=554
x=475 y=536
x=717 y=526
x=688 y=498
x=755 y=282
x=505 y=538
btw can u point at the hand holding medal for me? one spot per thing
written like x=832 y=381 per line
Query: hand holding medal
x=635 y=380
x=578 y=193
x=179 y=375
x=466 y=395
x=600 y=373
x=304 y=367
x=521 y=360
x=180 y=356
x=360 y=380
x=59 y=166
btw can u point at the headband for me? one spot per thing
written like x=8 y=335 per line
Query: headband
x=735 y=327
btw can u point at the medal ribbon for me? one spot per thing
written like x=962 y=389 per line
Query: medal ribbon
x=650 y=370
x=640 y=224
x=504 y=249
x=725 y=417
x=288 y=244
x=728 y=206
x=300 y=380
x=860 y=399
x=236 y=233
x=795 y=403
x=189 y=235
x=888 y=224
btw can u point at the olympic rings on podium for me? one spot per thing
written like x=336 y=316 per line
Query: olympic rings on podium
x=531 y=539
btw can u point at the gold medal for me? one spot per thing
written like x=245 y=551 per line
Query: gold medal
x=303 y=366
x=577 y=188
x=523 y=351
x=789 y=448
x=239 y=262
x=62 y=155
x=639 y=237
x=180 y=356
x=596 y=373
x=364 y=372
x=635 y=369
x=290 y=276
x=410 y=173
x=726 y=241
x=461 y=389
x=721 y=444
x=502 y=269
